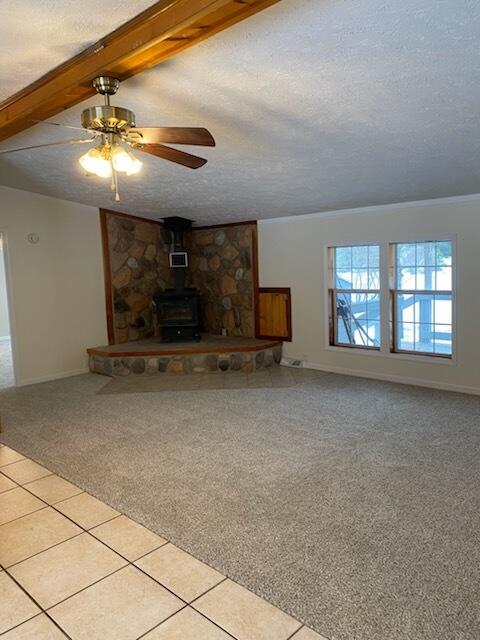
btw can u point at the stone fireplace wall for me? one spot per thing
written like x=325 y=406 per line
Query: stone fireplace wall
x=221 y=266
x=138 y=256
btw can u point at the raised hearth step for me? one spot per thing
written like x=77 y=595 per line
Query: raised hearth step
x=213 y=353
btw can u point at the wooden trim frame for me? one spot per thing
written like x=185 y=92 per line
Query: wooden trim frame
x=107 y=272
x=256 y=281
x=225 y=224
x=158 y=33
x=130 y=217
x=331 y=318
x=165 y=351
x=286 y=291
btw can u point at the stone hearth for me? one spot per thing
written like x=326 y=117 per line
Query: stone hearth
x=213 y=354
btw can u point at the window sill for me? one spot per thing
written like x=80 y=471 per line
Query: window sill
x=395 y=356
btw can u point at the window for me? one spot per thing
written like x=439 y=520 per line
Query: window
x=412 y=279
x=355 y=296
x=422 y=298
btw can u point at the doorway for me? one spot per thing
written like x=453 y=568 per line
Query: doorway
x=7 y=378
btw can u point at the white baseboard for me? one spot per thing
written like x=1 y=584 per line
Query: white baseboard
x=418 y=382
x=54 y=376
x=4 y=338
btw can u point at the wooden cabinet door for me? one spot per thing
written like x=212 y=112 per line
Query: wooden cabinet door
x=274 y=313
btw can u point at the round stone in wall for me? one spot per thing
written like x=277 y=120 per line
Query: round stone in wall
x=176 y=365
x=219 y=238
x=223 y=364
x=132 y=263
x=152 y=365
x=150 y=252
x=268 y=360
x=259 y=359
x=163 y=364
x=120 y=367
x=236 y=361
x=211 y=362
x=138 y=365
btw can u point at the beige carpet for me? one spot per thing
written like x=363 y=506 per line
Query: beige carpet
x=352 y=504
x=273 y=377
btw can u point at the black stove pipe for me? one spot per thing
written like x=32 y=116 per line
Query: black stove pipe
x=179 y=273
x=177 y=226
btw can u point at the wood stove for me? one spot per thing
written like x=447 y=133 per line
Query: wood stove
x=177 y=309
x=178 y=314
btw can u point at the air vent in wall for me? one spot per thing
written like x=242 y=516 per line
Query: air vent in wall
x=291 y=362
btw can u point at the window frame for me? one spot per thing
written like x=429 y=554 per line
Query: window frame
x=394 y=291
x=332 y=291
x=386 y=270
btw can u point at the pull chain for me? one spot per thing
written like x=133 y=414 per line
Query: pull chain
x=115 y=184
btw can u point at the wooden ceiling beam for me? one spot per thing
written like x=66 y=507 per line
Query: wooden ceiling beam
x=158 y=33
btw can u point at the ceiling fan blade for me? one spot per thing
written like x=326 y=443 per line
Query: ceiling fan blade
x=172 y=135
x=58 y=124
x=174 y=155
x=48 y=144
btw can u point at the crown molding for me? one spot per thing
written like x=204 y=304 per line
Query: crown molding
x=378 y=208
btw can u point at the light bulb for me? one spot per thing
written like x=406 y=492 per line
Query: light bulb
x=121 y=159
x=135 y=166
x=103 y=168
x=89 y=160
x=97 y=161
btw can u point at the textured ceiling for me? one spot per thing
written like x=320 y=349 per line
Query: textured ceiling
x=38 y=35
x=314 y=105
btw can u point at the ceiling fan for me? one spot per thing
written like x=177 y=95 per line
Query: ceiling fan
x=114 y=129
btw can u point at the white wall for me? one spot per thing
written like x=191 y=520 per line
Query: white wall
x=4 y=325
x=292 y=253
x=56 y=286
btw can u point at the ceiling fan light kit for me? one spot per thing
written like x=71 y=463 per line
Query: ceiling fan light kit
x=95 y=161
x=105 y=159
x=115 y=127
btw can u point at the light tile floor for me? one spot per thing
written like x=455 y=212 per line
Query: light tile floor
x=72 y=567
